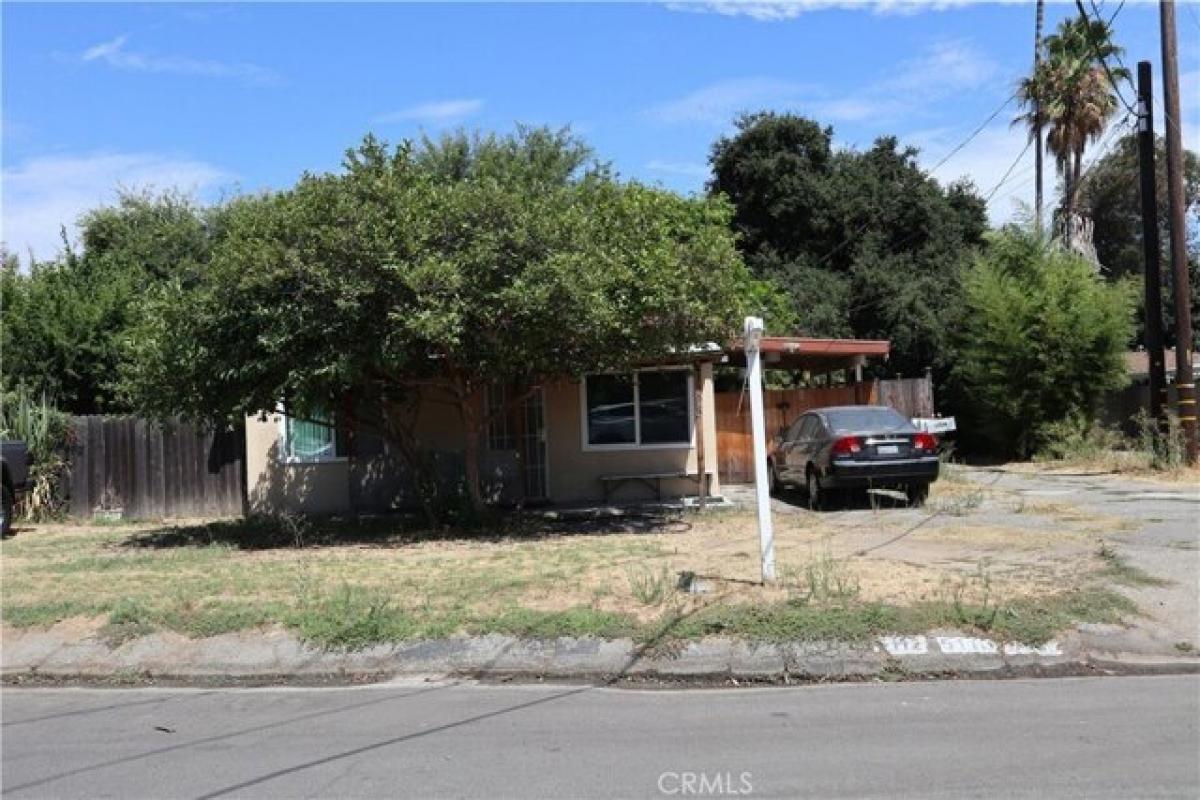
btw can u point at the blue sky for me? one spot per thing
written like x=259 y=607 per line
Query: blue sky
x=215 y=98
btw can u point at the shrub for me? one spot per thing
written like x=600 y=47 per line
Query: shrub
x=47 y=433
x=1041 y=342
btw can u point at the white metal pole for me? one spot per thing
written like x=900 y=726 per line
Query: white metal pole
x=766 y=536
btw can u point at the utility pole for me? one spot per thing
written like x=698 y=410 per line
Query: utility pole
x=1151 y=249
x=1037 y=114
x=1185 y=385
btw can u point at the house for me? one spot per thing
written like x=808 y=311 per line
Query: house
x=1121 y=407
x=652 y=432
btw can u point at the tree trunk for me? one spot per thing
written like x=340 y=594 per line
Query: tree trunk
x=472 y=430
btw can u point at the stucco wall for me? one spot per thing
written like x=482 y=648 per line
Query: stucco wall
x=276 y=486
x=573 y=472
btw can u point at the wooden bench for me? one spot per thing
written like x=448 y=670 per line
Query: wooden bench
x=651 y=480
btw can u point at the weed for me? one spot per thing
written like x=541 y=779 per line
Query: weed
x=823 y=580
x=959 y=505
x=128 y=619
x=1163 y=446
x=1118 y=570
x=648 y=587
x=1185 y=647
x=981 y=614
x=578 y=621
x=351 y=618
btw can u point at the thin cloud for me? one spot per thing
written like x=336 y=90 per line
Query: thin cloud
x=437 y=113
x=908 y=89
x=41 y=195
x=718 y=103
x=114 y=53
x=781 y=10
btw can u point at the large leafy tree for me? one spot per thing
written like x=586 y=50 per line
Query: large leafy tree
x=64 y=320
x=430 y=270
x=1110 y=194
x=863 y=243
x=1041 y=342
x=1072 y=91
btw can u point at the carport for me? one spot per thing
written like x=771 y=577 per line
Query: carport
x=837 y=364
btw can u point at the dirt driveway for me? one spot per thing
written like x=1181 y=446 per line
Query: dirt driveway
x=1030 y=529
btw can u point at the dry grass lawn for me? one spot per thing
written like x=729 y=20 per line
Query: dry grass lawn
x=351 y=584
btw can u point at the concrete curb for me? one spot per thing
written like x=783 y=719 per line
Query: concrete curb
x=280 y=657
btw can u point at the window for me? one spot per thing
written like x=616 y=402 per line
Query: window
x=650 y=408
x=501 y=435
x=309 y=440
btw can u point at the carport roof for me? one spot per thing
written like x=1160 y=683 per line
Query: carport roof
x=814 y=355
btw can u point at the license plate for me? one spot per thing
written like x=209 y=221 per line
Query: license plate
x=887 y=449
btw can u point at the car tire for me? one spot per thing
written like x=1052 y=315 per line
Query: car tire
x=813 y=492
x=6 y=511
x=917 y=494
x=773 y=477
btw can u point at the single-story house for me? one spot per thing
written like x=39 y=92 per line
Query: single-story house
x=1122 y=406
x=648 y=433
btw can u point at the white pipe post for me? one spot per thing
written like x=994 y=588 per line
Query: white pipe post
x=762 y=484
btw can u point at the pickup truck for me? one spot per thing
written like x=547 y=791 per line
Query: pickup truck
x=14 y=473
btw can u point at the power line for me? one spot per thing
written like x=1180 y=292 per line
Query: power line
x=979 y=129
x=1112 y=81
x=1008 y=172
x=974 y=133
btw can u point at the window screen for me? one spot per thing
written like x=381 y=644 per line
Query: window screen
x=663 y=407
x=650 y=407
x=310 y=439
x=610 y=409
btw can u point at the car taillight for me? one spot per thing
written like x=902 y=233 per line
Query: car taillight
x=924 y=441
x=847 y=445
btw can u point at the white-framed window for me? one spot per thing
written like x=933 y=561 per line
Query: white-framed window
x=311 y=440
x=649 y=408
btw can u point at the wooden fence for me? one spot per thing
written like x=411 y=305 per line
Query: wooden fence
x=912 y=397
x=146 y=470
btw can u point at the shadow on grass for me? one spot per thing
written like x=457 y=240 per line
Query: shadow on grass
x=266 y=532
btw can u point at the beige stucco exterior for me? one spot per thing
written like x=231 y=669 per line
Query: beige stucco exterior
x=573 y=470
x=276 y=486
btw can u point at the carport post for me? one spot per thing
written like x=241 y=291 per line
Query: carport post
x=758 y=433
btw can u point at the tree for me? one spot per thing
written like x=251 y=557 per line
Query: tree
x=1041 y=341
x=64 y=320
x=1110 y=195
x=430 y=270
x=1072 y=92
x=863 y=243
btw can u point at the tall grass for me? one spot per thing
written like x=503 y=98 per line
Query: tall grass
x=46 y=431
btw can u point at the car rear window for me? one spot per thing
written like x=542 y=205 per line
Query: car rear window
x=867 y=420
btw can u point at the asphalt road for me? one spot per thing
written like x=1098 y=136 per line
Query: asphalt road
x=1093 y=737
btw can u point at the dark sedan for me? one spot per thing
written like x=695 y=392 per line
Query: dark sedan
x=848 y=448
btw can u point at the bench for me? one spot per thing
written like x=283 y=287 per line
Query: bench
x=651 y=480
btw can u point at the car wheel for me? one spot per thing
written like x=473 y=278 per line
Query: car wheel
x=812 y=489
x=6 y=512
x=917 y=494
x=773 y=478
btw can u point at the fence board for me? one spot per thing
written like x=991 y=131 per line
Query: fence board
x=912 y=397
x=148 y=471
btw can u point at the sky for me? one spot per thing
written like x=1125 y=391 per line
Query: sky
x=217 y=99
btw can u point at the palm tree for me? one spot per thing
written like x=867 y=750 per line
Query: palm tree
x=1072 y=92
